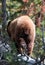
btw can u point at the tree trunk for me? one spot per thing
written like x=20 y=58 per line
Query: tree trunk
x=3 y=15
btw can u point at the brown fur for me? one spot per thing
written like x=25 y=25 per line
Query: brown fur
x=22 y=31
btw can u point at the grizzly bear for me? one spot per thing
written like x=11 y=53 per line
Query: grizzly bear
x=22 y=31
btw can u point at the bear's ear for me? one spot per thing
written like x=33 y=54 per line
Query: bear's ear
x=8 y=23
x=8 y=28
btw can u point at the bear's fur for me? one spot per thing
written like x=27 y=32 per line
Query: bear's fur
x=22 y=31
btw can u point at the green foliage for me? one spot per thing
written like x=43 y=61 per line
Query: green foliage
x=37 y=1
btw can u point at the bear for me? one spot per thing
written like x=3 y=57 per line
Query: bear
x=22 y=31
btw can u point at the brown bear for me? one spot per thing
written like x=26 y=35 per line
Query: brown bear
x=22 y=31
